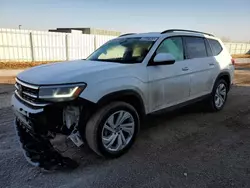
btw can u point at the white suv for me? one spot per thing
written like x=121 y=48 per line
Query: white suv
x=101 y=101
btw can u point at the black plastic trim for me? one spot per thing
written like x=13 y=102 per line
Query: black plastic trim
x=175 y=107
x=184 y=30
x=224 y=74
x=208 y=46
x=127 y=34
x=123 y=93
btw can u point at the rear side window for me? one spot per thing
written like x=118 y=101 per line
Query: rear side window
x=195 y=47
x=215 y=45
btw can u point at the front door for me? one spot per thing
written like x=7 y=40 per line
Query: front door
x=169 y=84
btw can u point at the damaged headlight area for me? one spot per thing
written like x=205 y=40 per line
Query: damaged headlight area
x=38 y=127
x=45 y=112
x=71 y=119
x=61 y=93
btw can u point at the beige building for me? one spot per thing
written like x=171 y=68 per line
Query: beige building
x=93 y=31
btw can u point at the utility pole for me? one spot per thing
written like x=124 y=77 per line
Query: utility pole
x=19 y=26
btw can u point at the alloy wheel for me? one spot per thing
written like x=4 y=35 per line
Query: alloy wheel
x=220 y=95
x=118 y=131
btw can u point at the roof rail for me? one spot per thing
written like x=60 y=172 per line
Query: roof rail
x=189 y=31
x=126 y=34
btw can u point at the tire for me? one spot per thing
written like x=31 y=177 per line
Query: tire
x=97 y=135
x=213 y=105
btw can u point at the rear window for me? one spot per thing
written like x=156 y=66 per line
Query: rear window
x=195 y=47
x=215 y=45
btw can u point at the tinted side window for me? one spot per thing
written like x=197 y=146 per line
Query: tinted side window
x=195 y=47
x=174 y=46
x=209 y=51
x=215 y=45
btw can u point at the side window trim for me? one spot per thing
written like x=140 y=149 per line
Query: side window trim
x=207 y=44
x=185 y=47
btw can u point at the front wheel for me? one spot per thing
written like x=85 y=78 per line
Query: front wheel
x=219 y=95
x=112 y=130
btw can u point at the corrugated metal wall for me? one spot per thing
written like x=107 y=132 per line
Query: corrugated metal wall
x=15 y=45
x=80 y=45
x=100 y=40
x=48 y=46
x=238 y=48
x=28 y=45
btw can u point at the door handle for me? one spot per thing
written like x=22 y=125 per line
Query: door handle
x=185 y=68
x=211 y=64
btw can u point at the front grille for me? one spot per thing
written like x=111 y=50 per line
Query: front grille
x=30 y=90
x=28 y=93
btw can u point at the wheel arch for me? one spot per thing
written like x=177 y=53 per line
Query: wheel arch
x=225 y=76
x=130 y=96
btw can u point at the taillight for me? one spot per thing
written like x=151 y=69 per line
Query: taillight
x=233 y=61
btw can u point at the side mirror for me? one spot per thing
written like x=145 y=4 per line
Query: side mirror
x=163 y=59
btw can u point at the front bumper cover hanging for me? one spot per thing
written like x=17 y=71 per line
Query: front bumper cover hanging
x=39 y=151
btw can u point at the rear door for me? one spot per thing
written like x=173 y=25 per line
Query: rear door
x=200 y=62
x=221 y=59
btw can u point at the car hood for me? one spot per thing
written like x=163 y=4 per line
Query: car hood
x=65 y=72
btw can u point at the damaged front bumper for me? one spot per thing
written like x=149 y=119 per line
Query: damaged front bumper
x=35 y=127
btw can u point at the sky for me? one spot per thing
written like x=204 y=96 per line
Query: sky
x=224 y=18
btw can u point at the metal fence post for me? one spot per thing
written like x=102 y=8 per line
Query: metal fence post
x=31 y=48
x=94 y=42
x=67 y=46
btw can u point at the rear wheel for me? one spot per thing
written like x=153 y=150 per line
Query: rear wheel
x=219 y=95
x=112 y=130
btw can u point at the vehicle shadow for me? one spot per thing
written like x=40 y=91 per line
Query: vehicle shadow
x=86 y=157
x=157 y=118
x=165 y=128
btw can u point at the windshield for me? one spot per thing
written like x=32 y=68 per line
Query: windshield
x=124 y=50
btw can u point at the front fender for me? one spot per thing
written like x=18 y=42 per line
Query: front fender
x=94 y=92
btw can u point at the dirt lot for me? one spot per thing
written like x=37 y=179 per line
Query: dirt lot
x=184 y=148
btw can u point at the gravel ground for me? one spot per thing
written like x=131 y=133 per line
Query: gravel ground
x=184 y=148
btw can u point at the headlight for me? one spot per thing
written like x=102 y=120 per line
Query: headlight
x=61 y=92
